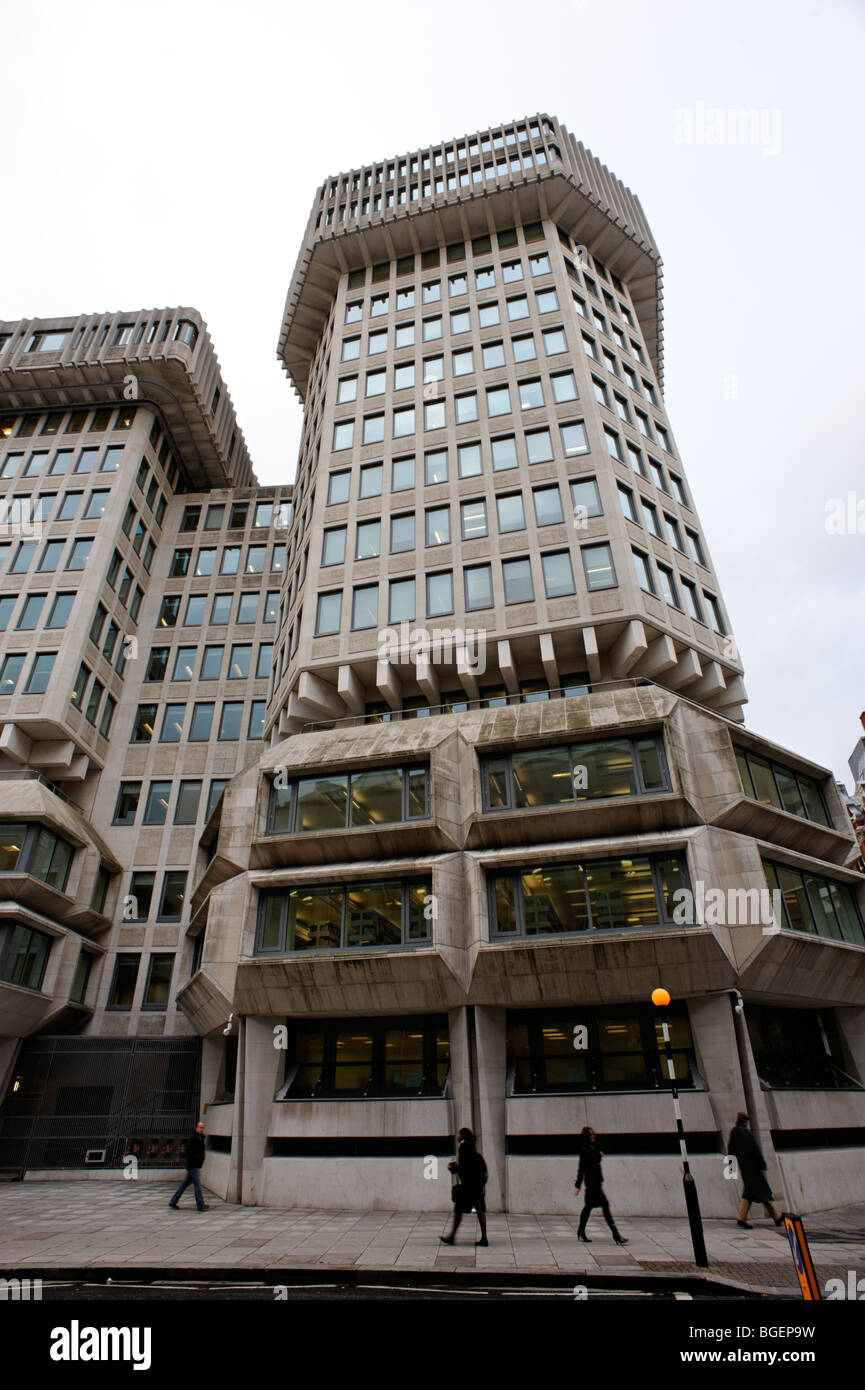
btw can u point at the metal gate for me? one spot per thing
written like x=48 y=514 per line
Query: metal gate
x=85 y=1102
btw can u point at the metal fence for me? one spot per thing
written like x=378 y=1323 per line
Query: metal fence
x=87 y=1102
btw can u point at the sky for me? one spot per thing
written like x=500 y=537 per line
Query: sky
x=159 y=154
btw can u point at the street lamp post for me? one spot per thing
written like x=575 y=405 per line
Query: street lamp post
x=661 y=998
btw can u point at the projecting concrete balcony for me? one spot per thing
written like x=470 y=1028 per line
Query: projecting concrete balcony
x=607 y=817
x=362 y=844
x=804 y=970
x=22 y=1010
x=408 y=980
x=599 y=967
x=749 y=817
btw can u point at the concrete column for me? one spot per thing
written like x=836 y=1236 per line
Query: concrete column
x=758 y=1104
x=461 y=1072
x=260 y=1068
x=714 y=1033
x=492 y=1064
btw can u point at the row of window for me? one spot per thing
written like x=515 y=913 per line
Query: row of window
x=518 y=584
x=30 y=614
x=50 y=557
x=28 y=848
x=157 y=985
x=500 y=167
x=637 y=892
x=431 y=291
x=38 y=675
x=673 y=533
x=339 y=917
x=263 y=514
x=87 y=696
x=201 y=724
x=510 y=515
x=781 y=787
x=158 y=801
x=347 y=800
x=479 y=246
x=37 y=464
x=205 y=561
x=671 y=587
x=575 y=772
x=530 y=395
x=28 y=509
x=58 y=339
x=248 y=604
x=367 y=1057
x=60 y=422
x=488 y=315
x=240 y=664
x=405 y=375
x=142 y=896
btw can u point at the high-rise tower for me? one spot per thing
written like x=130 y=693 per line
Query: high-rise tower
x=485 y=782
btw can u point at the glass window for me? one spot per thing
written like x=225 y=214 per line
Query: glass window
x=478 y=587
x=338 y=487
x=548 y=505
x=172 y=723
x=365 y=607
x=401 y=606
x=402 y=532
x=524 y=348
x=474 y=519
x=202 y=719
x=598 y=567
x=195 y=610
x=60 y=610
x=368 y=540
x=173 y=894
x=469 y=460
x=184 y=664
x=439 y=594
x=438 y=525
x=231 y=721
x=518 y=581
x=498 y=401
x=188 y=798
x=156 y=805
x=558 y=574
x=124 y=980
x=327 y=614
x=371 y=480
x=333 y=546
x=511 y=516
x=40 y=673
x=574 y=439
x=402 y=475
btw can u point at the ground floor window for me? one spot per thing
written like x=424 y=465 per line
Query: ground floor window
x=596 y=1049
x=797 y=1048
x=381 y=1057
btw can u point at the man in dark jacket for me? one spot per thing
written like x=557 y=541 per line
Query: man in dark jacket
x=194 y=1162
x=746 y=1151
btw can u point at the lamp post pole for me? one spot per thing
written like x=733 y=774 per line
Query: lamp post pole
x=661 y=998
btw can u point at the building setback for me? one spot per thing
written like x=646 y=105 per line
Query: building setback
x=361 y=810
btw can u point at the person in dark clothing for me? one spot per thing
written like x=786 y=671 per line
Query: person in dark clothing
x=746 y=1151
x=468 y=1193
x=589 y=1172
x=194 y=1163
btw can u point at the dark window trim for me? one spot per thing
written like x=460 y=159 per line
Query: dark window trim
x=514 y=873
x=405 y=768
x=633 y=740
x=405 y=944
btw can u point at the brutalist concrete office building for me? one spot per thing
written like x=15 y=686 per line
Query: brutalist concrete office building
x=361 y=810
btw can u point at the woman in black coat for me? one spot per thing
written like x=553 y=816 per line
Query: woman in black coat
x=468 y=1193
x=589 y=1172
x=746 y=1151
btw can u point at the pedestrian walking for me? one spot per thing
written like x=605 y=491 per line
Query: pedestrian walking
x=470 y=1179
x=744 y=1148
x=589 y=1172
x=194 y=1162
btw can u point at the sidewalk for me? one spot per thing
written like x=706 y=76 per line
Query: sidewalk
x=48 y=1227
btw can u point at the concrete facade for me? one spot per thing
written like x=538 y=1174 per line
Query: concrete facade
x=402 y=787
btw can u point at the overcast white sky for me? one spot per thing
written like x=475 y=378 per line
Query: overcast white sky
x=167 y=153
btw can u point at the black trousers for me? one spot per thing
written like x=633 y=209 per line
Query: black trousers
x=596 y=1197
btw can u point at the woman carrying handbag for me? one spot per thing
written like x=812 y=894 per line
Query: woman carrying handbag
x=467 y=1193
